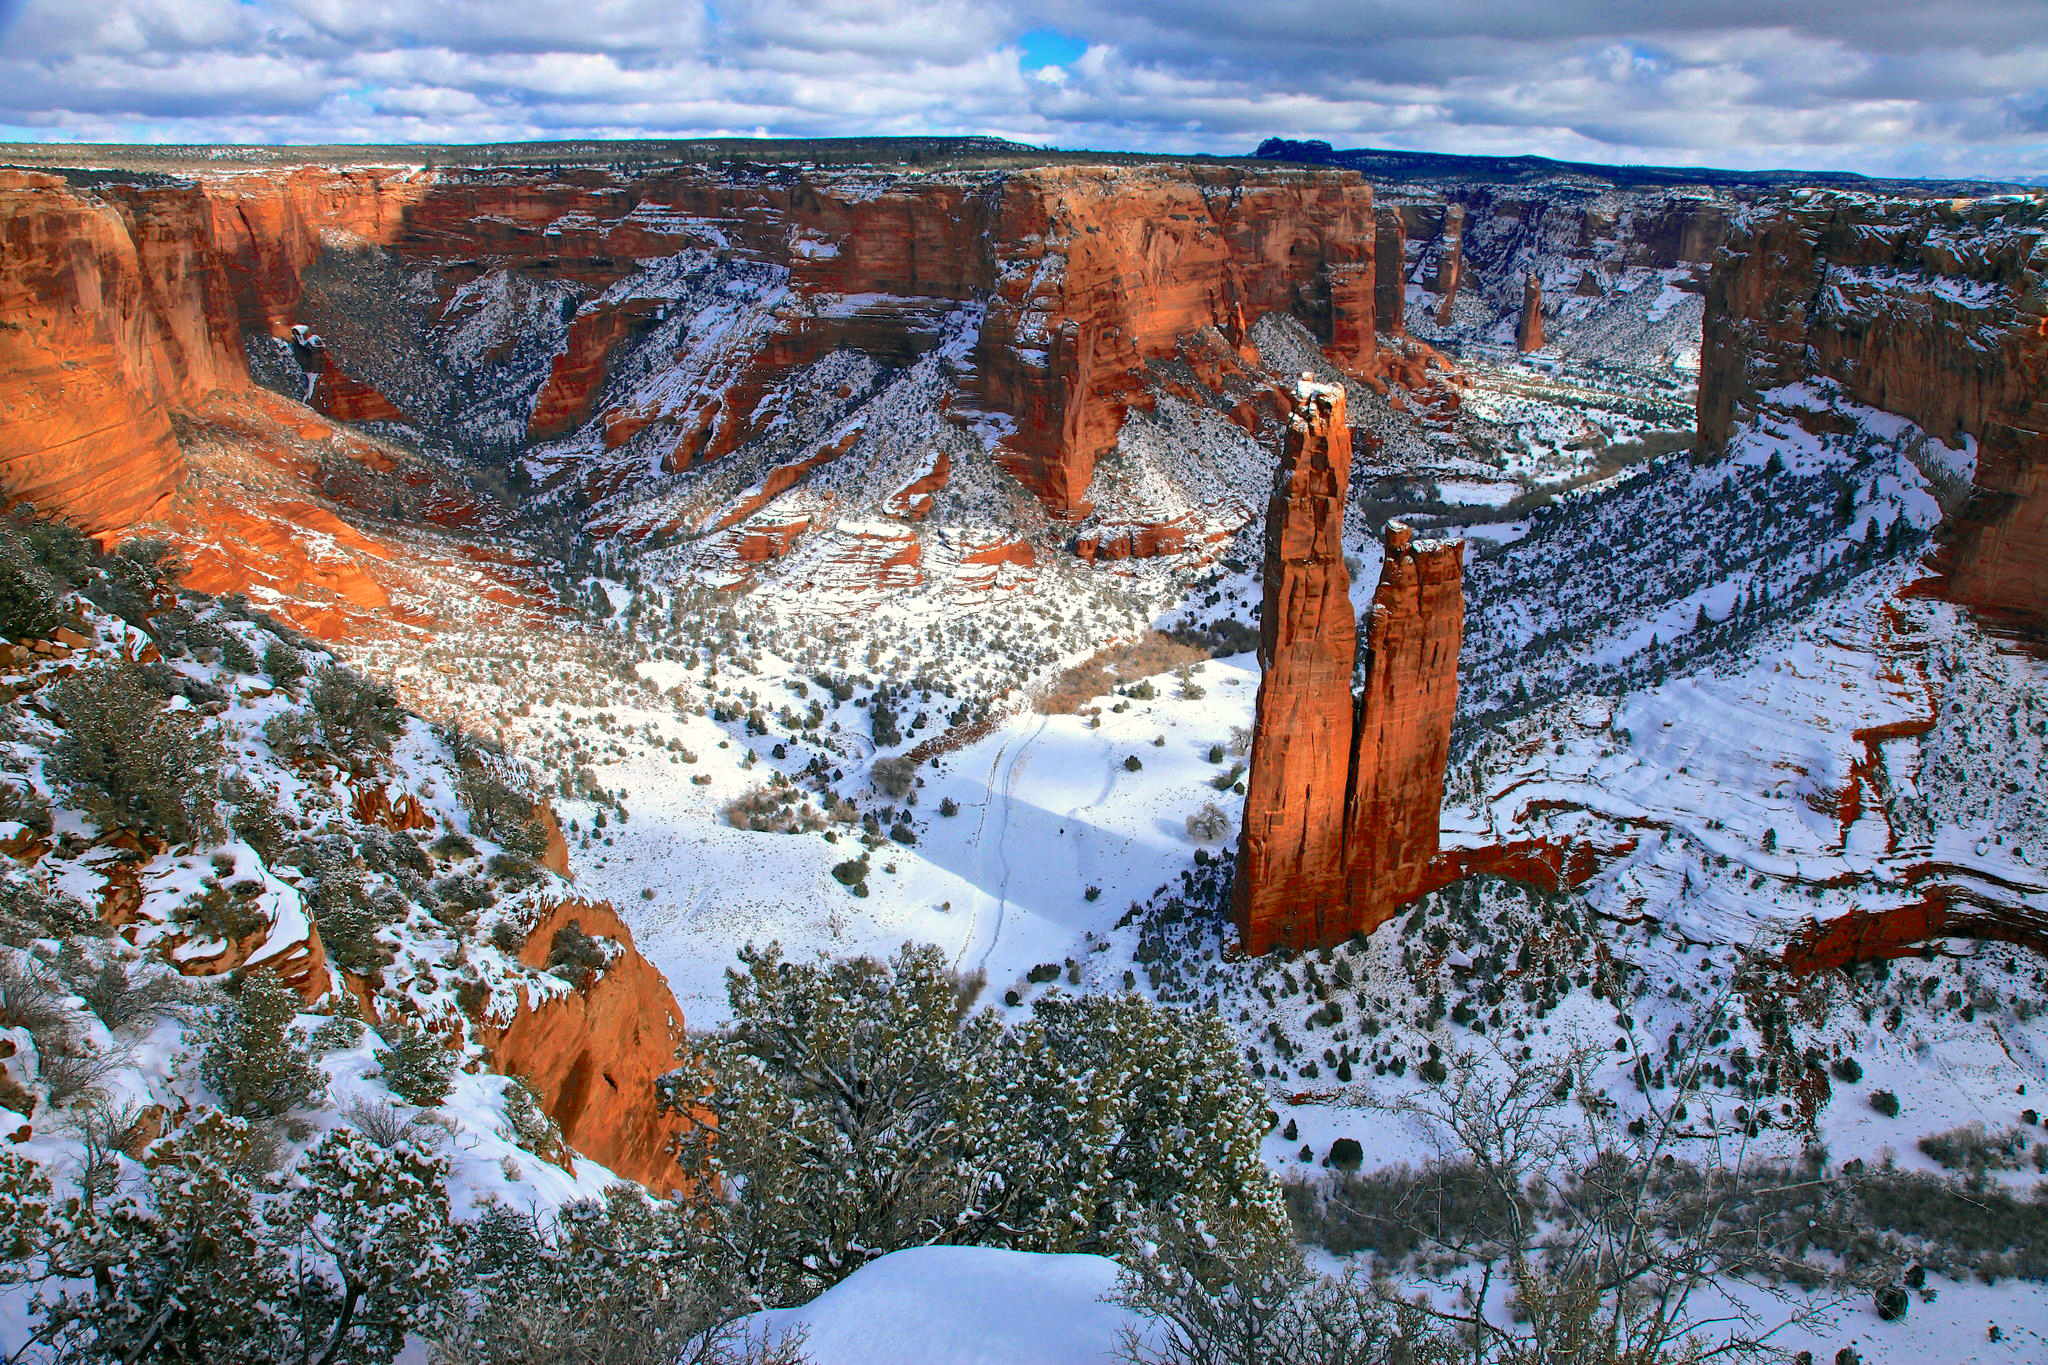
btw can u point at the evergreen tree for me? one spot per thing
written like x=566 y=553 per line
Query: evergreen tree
x=251 y=1056
x=192 y=1272
x=416 y=1066
x=129 y=762
x=862 y=1106
x=374 y=1221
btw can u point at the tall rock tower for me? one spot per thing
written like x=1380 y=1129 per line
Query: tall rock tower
x=1529 y=336
x=1390 y=265
x=1345 y=792
x=1403 y=739
x=1290 y=870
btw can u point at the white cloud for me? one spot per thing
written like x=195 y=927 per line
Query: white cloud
x=1875 y=85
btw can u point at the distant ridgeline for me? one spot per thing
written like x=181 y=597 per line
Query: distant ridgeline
x=1383 y=164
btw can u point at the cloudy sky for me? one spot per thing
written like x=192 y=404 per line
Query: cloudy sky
x=1958 y=87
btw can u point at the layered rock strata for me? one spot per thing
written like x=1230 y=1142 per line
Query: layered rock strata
x=496 y=309
x=1344 y=794
x=111 y=319
x=1934 y=311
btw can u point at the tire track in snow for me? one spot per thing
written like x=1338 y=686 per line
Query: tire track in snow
x=996 y=849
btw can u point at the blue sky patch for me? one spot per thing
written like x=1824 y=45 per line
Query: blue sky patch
x=1045 y=47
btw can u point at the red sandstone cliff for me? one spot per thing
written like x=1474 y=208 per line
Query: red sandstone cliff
x=1936 y=311
x=1097 y=271
x=110 y=320
x=595 y=1054
x=1290 y=886
x=1344 y=795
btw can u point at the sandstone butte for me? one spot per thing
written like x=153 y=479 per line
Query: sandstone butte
x=1935 y=311
x=1345 y=793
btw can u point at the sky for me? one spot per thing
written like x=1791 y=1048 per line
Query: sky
x=1955 y=88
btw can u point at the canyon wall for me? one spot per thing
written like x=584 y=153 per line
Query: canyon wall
x=496 y=309
x=1933 y=310
x=1344 y=794
x=1097 y=271
x=1620 y=273
x=112 y=318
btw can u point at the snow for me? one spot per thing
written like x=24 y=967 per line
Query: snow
x=961 y=1306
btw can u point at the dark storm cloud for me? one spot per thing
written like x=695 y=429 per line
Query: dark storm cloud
x=1884 y=87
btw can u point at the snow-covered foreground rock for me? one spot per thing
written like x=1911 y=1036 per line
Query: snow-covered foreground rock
x=961 y=1306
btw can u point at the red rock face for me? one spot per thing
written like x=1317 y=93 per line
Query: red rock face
x=579 y=371
x=1403 y=740
x=1389 y=247
x=1291 y=887
x=109 y=321
x=1344 y=795
x=267 y=229
x=1529 y=335
x=594 y=1055
x=134 y=302
x=1098 y=271
x=1932 y=310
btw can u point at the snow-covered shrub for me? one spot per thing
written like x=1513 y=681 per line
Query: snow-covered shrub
x=576 y=956
x=252 y=1057
x=500 y=811
x=769 y=810
x=28 y=591
x=417 y=1066
x=863 y=1106
x=893 y=776
x=129 y=762
x=285 y=665
x=355 y=717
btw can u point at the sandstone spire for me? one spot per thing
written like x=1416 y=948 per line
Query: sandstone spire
x=1450 y=266
x=1291 y=859
x=1390 y=265
x=1529 y=336
x=1344 y=794
x=1403 y=738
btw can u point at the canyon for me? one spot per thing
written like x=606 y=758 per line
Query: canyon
x=1935 y=312
x=734 y=461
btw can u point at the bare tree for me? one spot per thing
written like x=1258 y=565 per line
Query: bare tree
x=1562 y=1234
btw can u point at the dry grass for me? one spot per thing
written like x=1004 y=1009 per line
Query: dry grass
x=1149 y=654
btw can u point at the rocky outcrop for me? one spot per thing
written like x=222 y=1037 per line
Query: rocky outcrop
x=1290 y=886
x=1935 y=311
x=1344 y=794
x=1529 y=333
x=1403 y=741
x=594 y=1054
